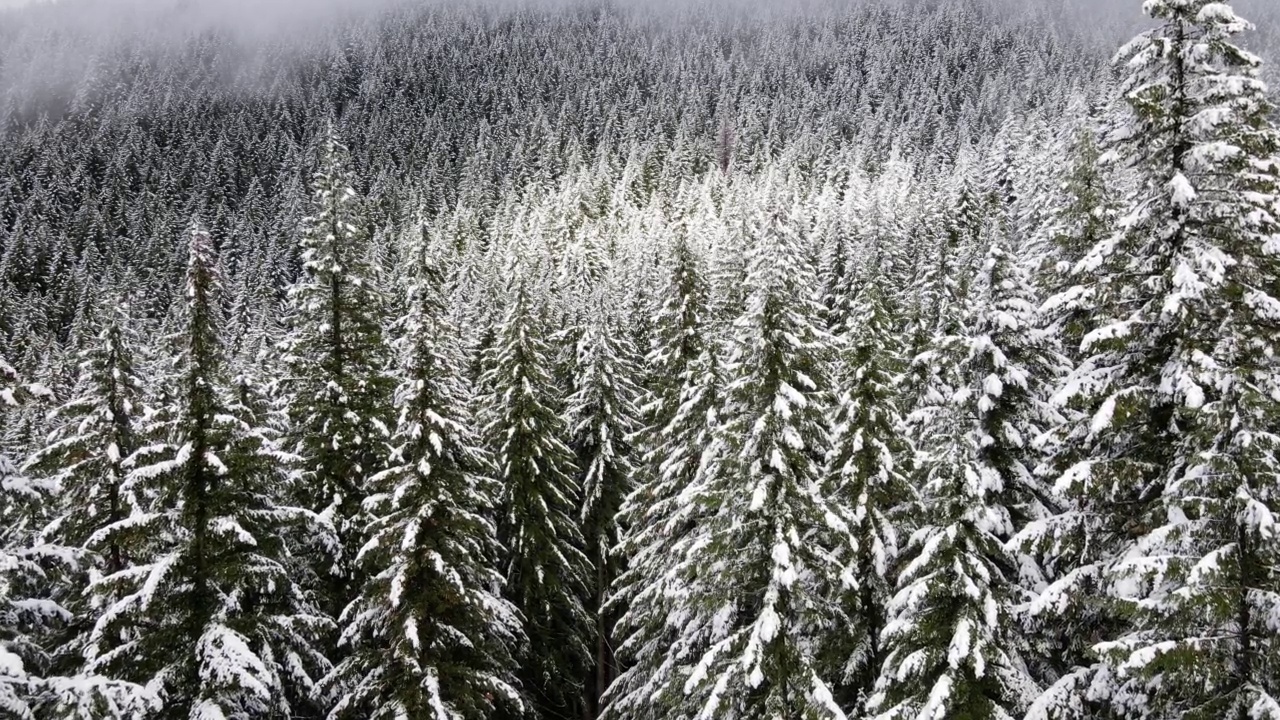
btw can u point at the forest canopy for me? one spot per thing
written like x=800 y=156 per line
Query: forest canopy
x=723 y=360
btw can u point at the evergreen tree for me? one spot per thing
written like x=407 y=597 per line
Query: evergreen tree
x=1178 y=378
x=680 y=325
x=1085 y=218
x=837 y=276
x=603 y=418
x=951 y=646
x=1015 y=364
x=868 y=467
x=955 y=645
x=21 y=571
x=85 y=458
x=680 y=417
x=947 y=269
x=338 y=392
x=763 y=567
x=547 y=572
x=83 y=461
x=208 y=615
x=34 y=572
x=428 y=635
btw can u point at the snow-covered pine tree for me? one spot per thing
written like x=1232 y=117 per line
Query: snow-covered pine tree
x=603 y=418
x=338 y=393
x=430 y=634
x=638 y=307
x=868 y=468
x=84 y=457
x=1086 y=218
x=22 y=572
x=1017 y=365
x=727 y=259
x=950 y=646
x=954 y=646
x=837 y=273
x=1180 y=380
x=949 y=273
x=547 y=571
x=946 y=269
x=678 y=337
x=679 y=418
x=82 y=465
x=34 y=574
x=208 y=616
x=767 y=560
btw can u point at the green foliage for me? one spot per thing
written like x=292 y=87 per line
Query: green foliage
x=207 y=614
x=868 y=468
x=338 y=393
x=1176 y=448
x=760 y=577
x=427 y=635
x=547 y=573
x=680 y=419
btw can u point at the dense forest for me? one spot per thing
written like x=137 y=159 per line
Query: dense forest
x=584 y=360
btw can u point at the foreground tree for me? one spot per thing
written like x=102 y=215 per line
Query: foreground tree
x=868 y=467
x=951 y=644
x=680 y=418
x=763 y=570
x=209 y=616
x=546 y=569
x=85 y=456
x=338 y=393
x=1086 y=217
x=23 y=620
x=603 y=417
x=955 y=644
x=42 y=576
x=430 y=634
x=1180 y=385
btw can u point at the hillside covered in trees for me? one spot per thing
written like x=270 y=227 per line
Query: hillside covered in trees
x=585 y=360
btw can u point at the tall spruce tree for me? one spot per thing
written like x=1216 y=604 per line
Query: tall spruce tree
x=430 y=634
x=680 y=417
x=339 y=390
x=1179 y=381
x=950 y=645
x=23 y=617
x=767 y=559
x=868 y=466
x=83 y=461
x=603 y=418
x=1017 y=364
x=947 y=262
x=547 y=571
x=954 y=646
x=838 y=275
x=208 y=616
x=1061 y=543
x=95 y=433
x=1086 y=217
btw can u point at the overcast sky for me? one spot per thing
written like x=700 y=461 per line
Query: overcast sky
x=1110 y=4
x=259 y=11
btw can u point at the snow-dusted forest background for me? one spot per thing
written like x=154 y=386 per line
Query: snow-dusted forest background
x=893 y=359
